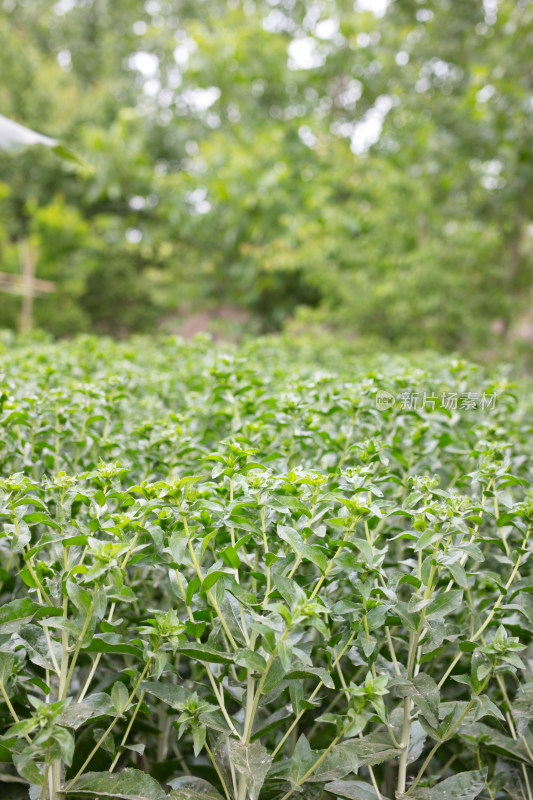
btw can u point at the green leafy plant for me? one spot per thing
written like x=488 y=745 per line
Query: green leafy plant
x=234 y=574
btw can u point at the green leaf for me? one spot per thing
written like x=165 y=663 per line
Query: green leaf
x=171 y=694
x=230 y=557
x=202 y=652
x=443 y=604
x=111 y=643
x=6 y=665
x=39 y=516
x=301 y=672
x=353 y=790
x=210 y=579
x=306 y=551
x=188 y=788
x=368 y=752
x=130 y=784
x=302 y=760
x=458 y=574
x=65 y=740
x=194 y=629
x=194 y=585
x=425 y=694
x=15 y=614
x=119 y=696
x=79 y=597
x=251 y=660
x=253 y=762
x=198 y=737
x=36 y=645
x=95 y=705
x=464 y=786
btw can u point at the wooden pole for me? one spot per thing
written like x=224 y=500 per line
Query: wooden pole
x=28 y=261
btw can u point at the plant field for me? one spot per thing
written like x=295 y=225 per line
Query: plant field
x=234 y=574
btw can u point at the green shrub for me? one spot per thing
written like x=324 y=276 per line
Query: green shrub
x=236 y=574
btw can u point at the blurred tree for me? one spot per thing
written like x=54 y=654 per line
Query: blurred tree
x=370 y=172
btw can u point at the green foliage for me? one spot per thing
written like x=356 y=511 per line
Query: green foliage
x=232 y=573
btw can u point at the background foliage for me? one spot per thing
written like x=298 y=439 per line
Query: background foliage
x=232 y=165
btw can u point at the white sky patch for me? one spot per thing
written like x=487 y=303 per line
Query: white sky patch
x=424 y=15
x=64 y=6
x=486 y=93
x=349 y=97
x=491 y=11
x=152 y=7
x=184 y=51
x=200 y=99
x=276 y=22
x=198 y=201
x=440 y=68
x=133 y=235
x=137 y=202
x=377 y=7
x=307 y=136
x=327 y=28
x=489 y=172
x=367 y=132
x=152 y=87
x=402 y=58
x=64 y=59
x=303 y=54
x=145 y=63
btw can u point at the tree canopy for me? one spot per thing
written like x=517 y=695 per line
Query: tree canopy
x=363 y=167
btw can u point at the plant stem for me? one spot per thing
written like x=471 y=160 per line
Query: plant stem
x=109 y=618
x=313 y=695
x=491 y=614
x=317 y=763
x=128 y=729
x=212 y=600
x=215 y=765
x=218 y=694
x=110 y=726
x=447 y=736
x=45 y=781
x=330 y=565
x=77 y=651
x=265 y=545
x=11 y=709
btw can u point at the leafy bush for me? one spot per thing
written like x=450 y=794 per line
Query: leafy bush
x=236 y=574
